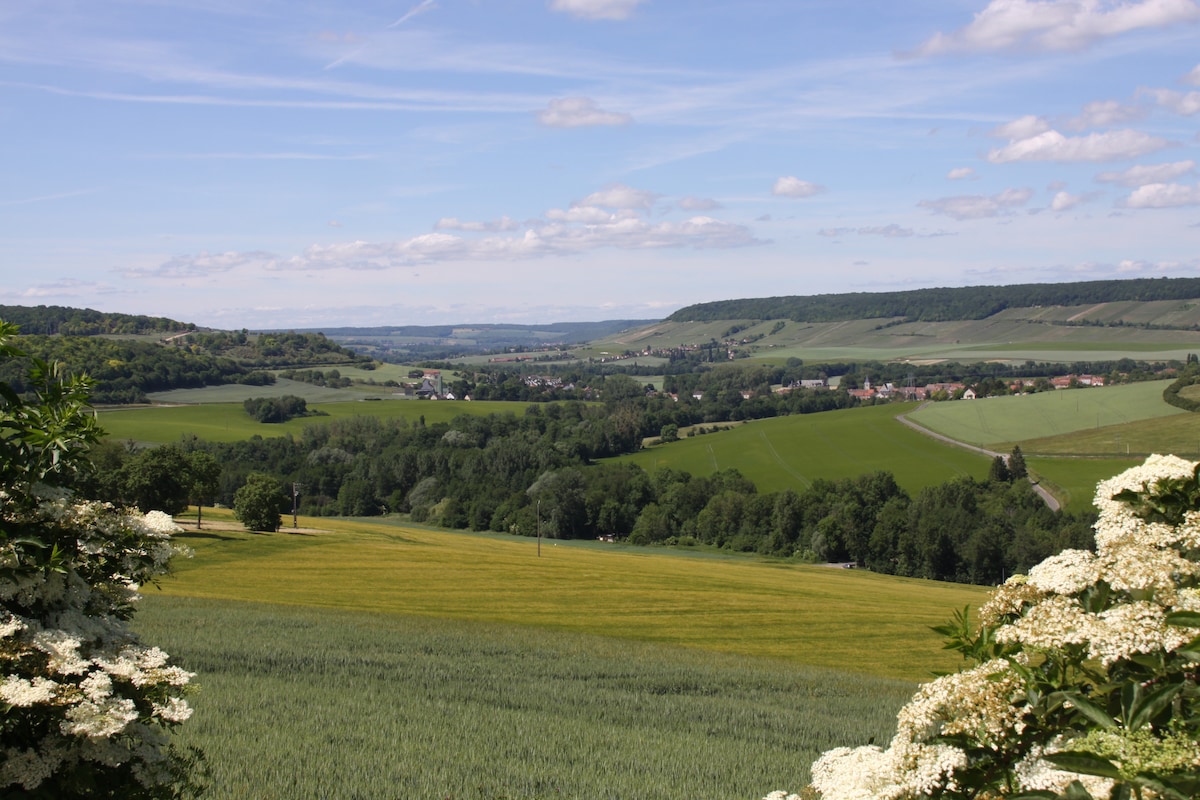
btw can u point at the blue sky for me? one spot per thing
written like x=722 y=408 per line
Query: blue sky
x=277 y=163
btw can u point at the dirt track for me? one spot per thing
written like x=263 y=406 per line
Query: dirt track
x=1048 y=498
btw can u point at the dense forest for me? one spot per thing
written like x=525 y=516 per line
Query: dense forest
x=939 y=305
x=63 y=321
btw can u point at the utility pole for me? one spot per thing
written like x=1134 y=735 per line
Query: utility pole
x=539 y=527
x=295 y=502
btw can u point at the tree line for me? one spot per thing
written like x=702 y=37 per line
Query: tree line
x=538 y=473
x=940 y=304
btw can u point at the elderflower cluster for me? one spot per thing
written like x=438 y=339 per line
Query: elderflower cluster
x=1145 y=563
x=1085 y=614
x=80 y=690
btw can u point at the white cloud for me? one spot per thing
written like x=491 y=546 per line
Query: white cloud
x=698 y=204
x=614 y=217
x=1053 y=146
x=618 y=195
x=455 y=224
x=1163 y=195
x=1056 y=24
x=1104 y=114
x=66 y=287
x=1193 y=77
x=1025 y=127
x=1183 y=103
x=892 y=231
x=1143 y=174
x=588 y=215
x=596 y=9
x=960 y=174
x=790 y=186
x=579 y=112
x=202 y=264
x=1064 y=200
x=963 y=207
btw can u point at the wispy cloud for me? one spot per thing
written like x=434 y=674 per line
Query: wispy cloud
x=965 y=207
x=579 y=112
x=45 y=198
x=1056 y=25
x=419 y=8
x=1163 y=195
x=1054 y=146
x=597 y=9
x=1143 y=174
x=791 y=186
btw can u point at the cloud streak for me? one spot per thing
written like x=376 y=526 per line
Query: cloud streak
x=1056 y=25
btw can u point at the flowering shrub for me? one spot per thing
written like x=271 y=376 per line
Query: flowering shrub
x=1081 y=678
x=86 y=706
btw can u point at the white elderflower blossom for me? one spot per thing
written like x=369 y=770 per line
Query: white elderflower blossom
x=1069 y=572
x=96 y=686
x=859 y=773
x=1126 y=630
x=1008 y=599
x=10 y=626
x=174 y=710
x=1053 y=623
x=98 y=720
x=982 y=702
x=63 y=651
x=1134 y=567
x=1143 y=477
x=23 y=693
x=1080 y=624
x=1035 y=774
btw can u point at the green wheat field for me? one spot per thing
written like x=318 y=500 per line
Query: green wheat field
x=360 y=660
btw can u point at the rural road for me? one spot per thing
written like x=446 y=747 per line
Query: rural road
x=1049 y=499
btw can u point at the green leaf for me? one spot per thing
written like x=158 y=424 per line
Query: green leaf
x=1076 y=792
x=1085 y=764
x=1160 y=786
x=1184 y=619
x=1089 y=709
x=1147 y=707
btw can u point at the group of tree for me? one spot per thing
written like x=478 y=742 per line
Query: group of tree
x=65 y=321
x=940 y=304
x=278 y=409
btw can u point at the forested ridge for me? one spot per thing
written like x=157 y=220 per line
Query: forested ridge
x=65 y=321
x=939 y=304
x=125 y=370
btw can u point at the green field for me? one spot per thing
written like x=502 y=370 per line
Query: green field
x=1073 y=480
x=228 y=422
x=392 y=662
x=1024 y=418
x=791 y=452
x=1012 y=336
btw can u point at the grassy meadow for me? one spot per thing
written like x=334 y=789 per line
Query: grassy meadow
x=376 y=661
x=1026 y=418
x=791 y=452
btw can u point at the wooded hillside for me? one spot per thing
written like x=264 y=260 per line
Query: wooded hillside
x=939 y=305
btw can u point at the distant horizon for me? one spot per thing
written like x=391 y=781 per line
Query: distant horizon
x=460 y=322
x=261 y=164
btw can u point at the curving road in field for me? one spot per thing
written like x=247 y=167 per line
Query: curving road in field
x=1048 y=498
